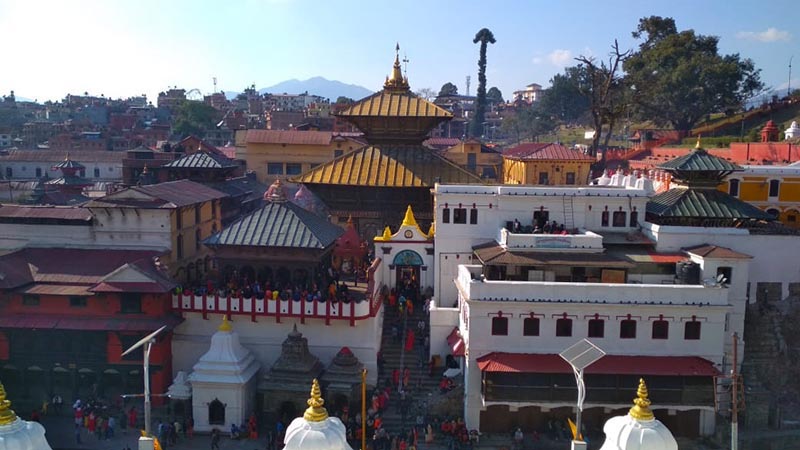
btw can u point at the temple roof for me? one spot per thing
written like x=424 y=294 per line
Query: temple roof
x=700 y=160
x=394 y=104
x=67 y=163
x=202 y=160
x=703 y=203
x=278 y=224
x=389 y=166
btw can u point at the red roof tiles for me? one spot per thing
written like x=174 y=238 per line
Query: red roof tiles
x=289 y=137
x=607 y=365
x=547 y=151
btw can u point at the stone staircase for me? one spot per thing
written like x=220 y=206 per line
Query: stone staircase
x=421 y=384
x=763 y=353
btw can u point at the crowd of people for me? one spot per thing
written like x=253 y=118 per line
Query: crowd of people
x=539 y=227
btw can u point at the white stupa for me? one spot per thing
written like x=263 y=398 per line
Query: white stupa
x=180 y=389
x=18 y=434
x=639 y=429
x=223 y=382
x=315 y=430
x=792 y=132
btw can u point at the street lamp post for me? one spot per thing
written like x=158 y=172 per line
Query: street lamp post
x=580 y=356
x=148 y=342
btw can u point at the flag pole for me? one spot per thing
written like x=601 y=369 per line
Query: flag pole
x=364 y=409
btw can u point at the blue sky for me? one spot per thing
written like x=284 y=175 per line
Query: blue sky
x=122 y=48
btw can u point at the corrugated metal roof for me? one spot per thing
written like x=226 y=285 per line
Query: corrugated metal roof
x=69 y=164
x=279 y=224
x=703 y=203
x=394 y=103
x=70 y=180
x=39 y=321
x=45 y=212
x=202 y=160
x=547 y=151
x=389 y=166
x=181 y=192
x=607 y=365
x=499 y=255
x=289 y=137
x=699 y=160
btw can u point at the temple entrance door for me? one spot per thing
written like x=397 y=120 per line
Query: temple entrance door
x=216 y=412
x=407 y=264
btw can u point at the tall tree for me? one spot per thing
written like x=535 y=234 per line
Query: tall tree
x=193 y=117
x=448 y=89
x=677 y=78
x=494 y=96
x=602 y=85
x=563 y=100
x=485 y=37
x=426 y=93
x=527 y=123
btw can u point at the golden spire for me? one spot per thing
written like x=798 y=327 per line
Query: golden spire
x=386 y=236
x=66 y=158
x=7 y=415
x=409 y=220
x=225 y=325
x=315 y=412
x=396 y=80
x=350 y=221
x=697 y=146
x=641 y=404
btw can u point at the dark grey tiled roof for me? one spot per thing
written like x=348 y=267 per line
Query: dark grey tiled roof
x=279 y=224
x=699 y=160
x=703 y=203
x=202 y=160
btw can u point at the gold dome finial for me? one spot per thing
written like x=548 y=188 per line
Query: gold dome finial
x=386 y=236
x=66 y=157
x=697 y=146
x=225 y=325
x=7 y=415
x=409 y=220
x=641 y=404
x=396 y=80
x=315 y=412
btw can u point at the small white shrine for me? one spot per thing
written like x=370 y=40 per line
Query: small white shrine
x=223 y=382
x=407 y=254
x=18 y=434
x=792 y=132
x=315 y=430
x=639 y=429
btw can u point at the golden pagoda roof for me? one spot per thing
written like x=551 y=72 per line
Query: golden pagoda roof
x=7 y=415
x=389 y=166
x=315 y=412
x=641 y=404
x=394 y=103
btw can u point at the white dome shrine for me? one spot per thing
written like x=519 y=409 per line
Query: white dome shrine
x=639 y=429
x=315 y=430
x=18 y=434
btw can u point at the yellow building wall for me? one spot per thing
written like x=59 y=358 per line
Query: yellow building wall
x=755 y=190
x=209 y=223
x=257 y=156
x=459 y=155
x=527 y=172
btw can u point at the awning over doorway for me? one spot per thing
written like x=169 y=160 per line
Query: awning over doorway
x=456 y=343
x=607 y=365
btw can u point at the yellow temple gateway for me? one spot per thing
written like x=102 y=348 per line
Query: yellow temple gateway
x=375 y=183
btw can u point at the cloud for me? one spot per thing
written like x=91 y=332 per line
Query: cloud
x=537 y=60
x=559 y=57
x=771 y=34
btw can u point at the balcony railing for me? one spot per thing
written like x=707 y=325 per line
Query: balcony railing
x=585 y=240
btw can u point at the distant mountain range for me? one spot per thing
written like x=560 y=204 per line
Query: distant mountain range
x=323 y=87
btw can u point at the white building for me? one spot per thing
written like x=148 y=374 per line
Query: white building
x=34 y=164
x=661 y=296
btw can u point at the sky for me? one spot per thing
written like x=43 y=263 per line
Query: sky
x=123 y=48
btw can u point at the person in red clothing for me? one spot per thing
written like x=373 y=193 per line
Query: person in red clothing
x=406 y=377
x=410 y=340
x=395 y=377
x=132 y=418
x=403 y=445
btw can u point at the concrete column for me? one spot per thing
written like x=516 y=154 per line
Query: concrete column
x=707 y=422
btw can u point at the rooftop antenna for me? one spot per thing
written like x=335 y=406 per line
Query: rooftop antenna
x=215 y=84
x=468 y=80
x=405 y=64
x=789 y=85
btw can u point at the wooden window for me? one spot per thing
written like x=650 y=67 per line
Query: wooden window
x=691 y=331
x=774 y=188
x=604 y=219
x=294 y=168
x=726 y=275
x=274 y=168
x=460 y=215
x=499 y=326
x=198 y=239
x=77 y=302
x=338 y=153
x=634 y=219
x=597 y=328
x=660 y=329
x=97 y=172
x=627 y=329
x=570 y=177
x=530 y=326
x=620 y=219
x=197 y=210
x=178 y=219
x=130 y=303
x=473 y=216
x=30 y=300
x=564 y=327
x=38 y=172
x=446 y=215
x=179 y=247
x=543 y=178
x=733 y=188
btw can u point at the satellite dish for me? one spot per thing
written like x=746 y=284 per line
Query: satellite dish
x=144 y=340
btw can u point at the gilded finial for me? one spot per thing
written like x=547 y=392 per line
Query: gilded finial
x=432 y=230
x=409 y=220
x=66 y=158
x=7 y=415
x=315 y=412
x=350 y=220
x=225 y=325
x=396 y=81
x=386 y=236
x=641 y=404
x=697 y=146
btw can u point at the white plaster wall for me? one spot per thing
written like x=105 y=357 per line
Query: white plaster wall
x=150 y=229
x=192 y=339
x=26 y=170
x=239 y=402
x=15 y=236
x=443 y=320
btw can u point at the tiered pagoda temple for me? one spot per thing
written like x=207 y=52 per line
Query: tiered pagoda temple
x=374 y=184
